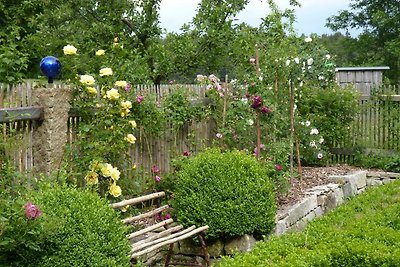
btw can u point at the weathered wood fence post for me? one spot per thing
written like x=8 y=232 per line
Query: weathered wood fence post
x=50 y=137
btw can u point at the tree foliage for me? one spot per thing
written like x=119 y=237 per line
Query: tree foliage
x=380 y=20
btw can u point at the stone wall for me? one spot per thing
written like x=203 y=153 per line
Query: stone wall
x=323 y=198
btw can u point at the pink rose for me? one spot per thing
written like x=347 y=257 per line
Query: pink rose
x=31 y=211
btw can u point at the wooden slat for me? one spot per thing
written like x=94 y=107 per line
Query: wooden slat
x=20 y=114
x=160 y=234
x=137 y=200
x=167 y=242
x=137 y=247
x=145 y=215
x=149 y=229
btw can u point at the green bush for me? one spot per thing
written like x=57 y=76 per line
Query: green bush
x=331 y=110
x=76 y=228
x=231 y=192
x=363 y=232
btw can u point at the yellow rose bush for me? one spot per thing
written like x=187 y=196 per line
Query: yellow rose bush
x=107 y=128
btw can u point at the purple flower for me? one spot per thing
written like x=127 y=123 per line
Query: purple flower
x=157 y=217
x=31 y=211
x=278 y=167
x=157 y=179
x=166 y=216
x=257 y=102
x=155 y=169
x=139 y=99
x=128 y=87
x=186 y=153
x=262 y=147
x=265 y=110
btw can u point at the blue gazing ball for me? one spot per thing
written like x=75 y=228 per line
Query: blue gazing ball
x=50 y=67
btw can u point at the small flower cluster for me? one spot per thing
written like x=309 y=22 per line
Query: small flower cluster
x=315 y=139
x=162 y=217
x=156 y=171
x=212 y=82
x=257 y=105
x=104 y=170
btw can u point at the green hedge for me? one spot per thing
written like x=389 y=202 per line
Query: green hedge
x=230 y=192
x=76 y=228
x=363 y=232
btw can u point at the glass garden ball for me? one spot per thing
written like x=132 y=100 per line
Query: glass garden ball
x=50 y=67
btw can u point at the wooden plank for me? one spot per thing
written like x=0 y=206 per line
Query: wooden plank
x=136 y=200
x=152 y=248
x=137 y=247
x=20 y=114
x=145 y=215
x=160 y=234
x=150 y=228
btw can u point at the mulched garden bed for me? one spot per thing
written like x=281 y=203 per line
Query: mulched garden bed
x=312 y=176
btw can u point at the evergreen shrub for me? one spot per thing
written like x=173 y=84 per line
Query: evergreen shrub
x=75 y=228
x=229 y=191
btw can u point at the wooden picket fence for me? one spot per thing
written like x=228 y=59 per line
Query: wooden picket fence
x=376 y=128
x=16 y=136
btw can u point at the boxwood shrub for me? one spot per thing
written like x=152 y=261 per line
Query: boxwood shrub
x=229 y=191
x=362 y=232
x=85 y=231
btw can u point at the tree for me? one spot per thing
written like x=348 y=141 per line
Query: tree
x=380 y=20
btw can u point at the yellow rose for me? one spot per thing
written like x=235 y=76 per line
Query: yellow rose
x=130 y=138
x=106 y=169
x=69 y=50
x=87 y=79
x=115 y=190
x=92 y=177
x=112 y=94
x=121 y=83
x=126 y=104
x=106 y=72
x=124 y=208
x=91 y=90
x=100 y=52
x=133 y=124
x=124 y=112
x=114 y=174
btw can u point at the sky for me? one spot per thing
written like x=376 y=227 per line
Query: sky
x=311 y=17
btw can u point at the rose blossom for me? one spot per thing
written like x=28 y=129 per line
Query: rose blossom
x=31 y=211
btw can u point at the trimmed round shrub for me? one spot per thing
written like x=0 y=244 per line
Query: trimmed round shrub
x=230 y=192
x=88 y=233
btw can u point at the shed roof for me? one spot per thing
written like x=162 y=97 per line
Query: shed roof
x=362 y=68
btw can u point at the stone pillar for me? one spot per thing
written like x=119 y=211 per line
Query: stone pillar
x=50 y=137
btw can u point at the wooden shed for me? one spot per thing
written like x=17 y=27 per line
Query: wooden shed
x=364 y=79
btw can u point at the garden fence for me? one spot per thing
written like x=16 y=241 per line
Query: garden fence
x=376 y=128
x=18 y=126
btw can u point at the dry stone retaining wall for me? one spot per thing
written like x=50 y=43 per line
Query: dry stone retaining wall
x=323 y=198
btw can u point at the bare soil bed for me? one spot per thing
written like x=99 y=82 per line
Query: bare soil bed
x=311 y=176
